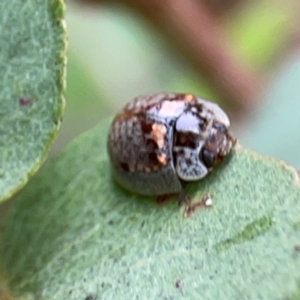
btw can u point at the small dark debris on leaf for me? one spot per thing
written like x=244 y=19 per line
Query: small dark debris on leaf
x=25 y=101
x=190 y=208
x=179 y=284
x=297 y=248
x=90 y=297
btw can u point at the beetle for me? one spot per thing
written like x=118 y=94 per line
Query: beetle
x=159 y=141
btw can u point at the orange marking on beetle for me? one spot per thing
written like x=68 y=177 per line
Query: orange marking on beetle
x=189 y=98
x=158 y=134
x=162 y=158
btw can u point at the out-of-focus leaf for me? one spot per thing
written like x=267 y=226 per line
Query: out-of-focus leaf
x=32 y=72
x=260 y=30
x=75 y=234
x=87 y=102
x=275 y=128
x=134 y=59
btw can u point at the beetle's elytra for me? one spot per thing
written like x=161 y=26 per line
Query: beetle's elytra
x=159 y=140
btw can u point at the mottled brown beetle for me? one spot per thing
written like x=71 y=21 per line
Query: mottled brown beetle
x=160 y=140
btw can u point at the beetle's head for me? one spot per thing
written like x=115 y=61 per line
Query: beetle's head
x=201 y=140
x=216 y=146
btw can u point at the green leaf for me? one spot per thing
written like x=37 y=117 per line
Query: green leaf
x=32 y=72
x=74 y=233
x=145 y=58
x=259 y=31
x=274 y=128
x=87 y=102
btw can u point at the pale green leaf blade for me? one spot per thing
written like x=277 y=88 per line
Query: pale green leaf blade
x=74 y=233
x=274 y=128
x=32 y=71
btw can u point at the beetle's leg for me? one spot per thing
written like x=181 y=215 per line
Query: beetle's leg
x=162 y=199
x=205 y=202
x=183 y=198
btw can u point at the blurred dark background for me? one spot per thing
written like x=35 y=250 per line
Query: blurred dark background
x=245 y=55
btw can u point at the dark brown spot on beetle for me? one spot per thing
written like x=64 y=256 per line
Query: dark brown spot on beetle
x=146 y=127
x=151 y=145
x=185 y=140
x=124 y=166
x=207 y=158
x=188 y=161
x=214 y=142
x=152 y=154
x=25 y=101
x=153 y=159
x=156 y=158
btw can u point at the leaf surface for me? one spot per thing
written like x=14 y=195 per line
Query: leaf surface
x=32 y=71
x=74 y=233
